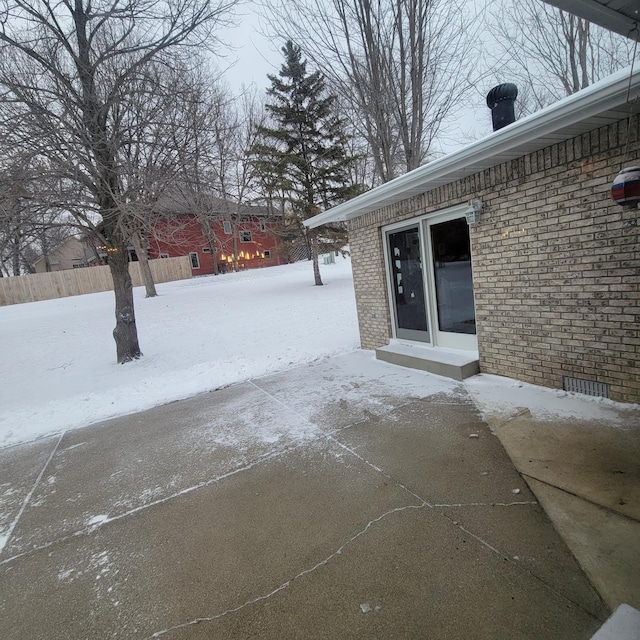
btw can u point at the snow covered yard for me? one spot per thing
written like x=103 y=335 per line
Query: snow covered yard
x=58 y=357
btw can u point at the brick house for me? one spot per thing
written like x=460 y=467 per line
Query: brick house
x=545 y=285
x=229 y=236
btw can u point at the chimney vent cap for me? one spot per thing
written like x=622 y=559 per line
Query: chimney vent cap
x=505 y=91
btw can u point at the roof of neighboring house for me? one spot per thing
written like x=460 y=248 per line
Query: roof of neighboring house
x=57 y=247
x=603 y=103
x=179 y=204
x=621 y=16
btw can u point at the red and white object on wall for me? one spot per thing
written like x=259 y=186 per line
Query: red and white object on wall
x=625 y=189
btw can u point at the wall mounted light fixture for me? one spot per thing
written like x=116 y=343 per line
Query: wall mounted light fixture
x=472 y=214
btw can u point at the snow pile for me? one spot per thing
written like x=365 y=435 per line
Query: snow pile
x=58 y=366
x=500 y=398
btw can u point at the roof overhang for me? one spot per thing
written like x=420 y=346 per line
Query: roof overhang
x=620 y=16
x=600 y=104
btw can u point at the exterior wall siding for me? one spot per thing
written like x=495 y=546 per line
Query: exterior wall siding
x=556 y=264
x=70 y=253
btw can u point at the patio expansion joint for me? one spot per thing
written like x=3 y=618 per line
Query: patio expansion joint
x=485 y=543
x=379 y=470
x=520 y=567
x=289 y=582
x=91 y=529
x=581 y=497
x=485 y=504
x=331 y=436
x=4 y=539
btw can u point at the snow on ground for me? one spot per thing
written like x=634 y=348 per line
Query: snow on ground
x=500 y=398
x=58 y=366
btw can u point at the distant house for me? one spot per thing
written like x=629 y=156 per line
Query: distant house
x=226 y=236
x=510 y=256
x=70 y=254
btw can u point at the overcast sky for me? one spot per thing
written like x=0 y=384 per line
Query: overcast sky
x=256 y=56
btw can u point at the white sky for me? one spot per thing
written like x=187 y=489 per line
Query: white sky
x=258 y=56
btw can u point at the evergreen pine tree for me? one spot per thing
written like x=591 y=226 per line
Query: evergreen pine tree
x=302 y=156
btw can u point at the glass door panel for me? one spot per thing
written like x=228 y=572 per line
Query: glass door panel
x=407 y=280
x=452 y=276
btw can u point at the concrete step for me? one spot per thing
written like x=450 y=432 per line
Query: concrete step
x=624 y=624
x=449 y=363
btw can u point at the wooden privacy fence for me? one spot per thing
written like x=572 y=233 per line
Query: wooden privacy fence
x=75 y=282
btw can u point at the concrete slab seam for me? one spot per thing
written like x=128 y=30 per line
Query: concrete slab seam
x=520 y=411
x=289 y=582
x=425 y=504
x=520 y=566
x=329 y=436
x=485 y=504
x=4 y=539
x=457 y=524
x=483 y=542
x=107 y=520
x=580 y=497
x=380 y=471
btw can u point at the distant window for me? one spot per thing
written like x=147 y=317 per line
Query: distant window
x=164 y=255
x=206 y=250
x=245 y=236
x=263 y=225
x=266 y=254
x=226 y=226
x=195 y=262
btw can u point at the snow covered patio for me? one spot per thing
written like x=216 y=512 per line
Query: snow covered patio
x=317 y=493
x=347 y=498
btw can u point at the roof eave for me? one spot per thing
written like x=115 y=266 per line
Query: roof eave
x=598 y=98
x=601 y=14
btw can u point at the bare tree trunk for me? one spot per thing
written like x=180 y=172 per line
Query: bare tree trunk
x=207 y=231
x=214 y=256
x=125 y=333
x=15 y=258
x=234 y=228
x=314 y=257
x=145 y=269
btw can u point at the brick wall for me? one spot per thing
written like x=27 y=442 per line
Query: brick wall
x=556 y=264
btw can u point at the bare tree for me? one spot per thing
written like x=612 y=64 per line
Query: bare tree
x=67 y=71
x=551 y=53
x=160 y=154
x=403 y=65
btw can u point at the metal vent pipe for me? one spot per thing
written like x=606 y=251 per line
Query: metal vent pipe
x=501 y=101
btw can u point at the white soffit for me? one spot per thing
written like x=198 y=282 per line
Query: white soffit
x=621 y=16
x=600 y=104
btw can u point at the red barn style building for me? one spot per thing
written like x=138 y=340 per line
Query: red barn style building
x=246 y=238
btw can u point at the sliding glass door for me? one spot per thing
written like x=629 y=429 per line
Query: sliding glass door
x=408 y=285
x=431 y=280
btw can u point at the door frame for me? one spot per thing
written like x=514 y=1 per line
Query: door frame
x=410 y=335
x=437 y=338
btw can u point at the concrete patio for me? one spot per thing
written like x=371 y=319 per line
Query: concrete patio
x=346 y=499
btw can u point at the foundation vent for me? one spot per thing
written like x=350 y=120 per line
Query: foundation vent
x=587 y=387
